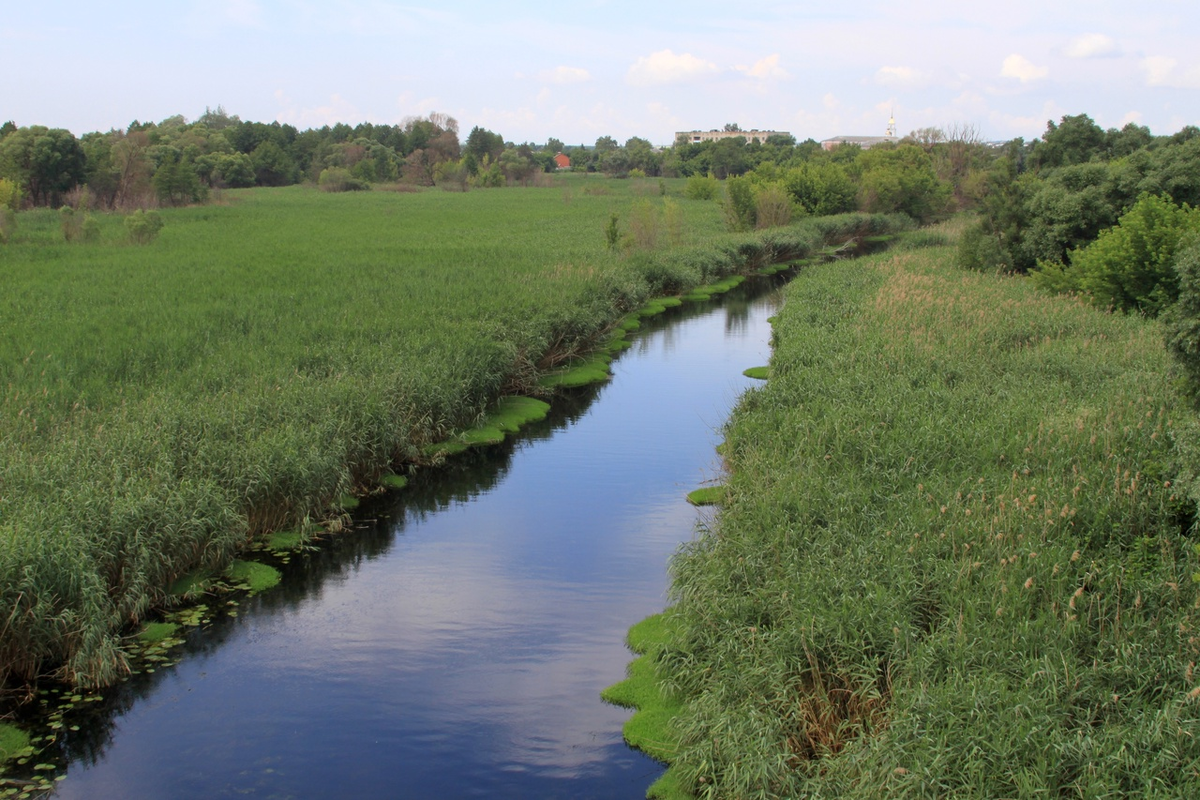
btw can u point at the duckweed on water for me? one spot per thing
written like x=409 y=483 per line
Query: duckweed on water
x=707 y=496
x=649 y=729
x=14 y=743
x=253 y=576
x=758 y=373
x=394 y=481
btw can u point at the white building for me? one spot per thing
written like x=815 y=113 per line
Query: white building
x=696 y=137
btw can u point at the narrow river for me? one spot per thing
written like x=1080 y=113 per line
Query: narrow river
x=456 y=643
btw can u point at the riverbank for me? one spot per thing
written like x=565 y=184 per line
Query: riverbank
x=266 y=358
x=950 y=560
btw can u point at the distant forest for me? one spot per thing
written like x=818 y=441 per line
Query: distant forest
x=1037 y=200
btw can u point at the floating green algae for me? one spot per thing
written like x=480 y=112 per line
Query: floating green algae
x=708 y=496
x=394 y=481
x=156 y=632
x=593 y=369
x=758 y=373
x=507 y=416
x=649 y=728
x=14 y=742
x=253 y=576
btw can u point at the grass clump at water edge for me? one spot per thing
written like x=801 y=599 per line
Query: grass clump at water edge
x=649 y=729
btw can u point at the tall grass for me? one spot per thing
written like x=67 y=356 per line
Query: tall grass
x=951 y=561
x=161 y=404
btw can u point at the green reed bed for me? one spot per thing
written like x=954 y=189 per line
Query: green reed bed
x=949 y=562
x=262 y=359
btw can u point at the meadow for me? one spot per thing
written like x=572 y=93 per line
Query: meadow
x=278 y=350
x=950 y=560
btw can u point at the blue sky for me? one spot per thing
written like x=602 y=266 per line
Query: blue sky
x=589 y=68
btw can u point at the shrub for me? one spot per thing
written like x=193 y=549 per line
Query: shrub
x=772 y=207
x=336 y=179
x=643 y=226
x=740 y=211
x=1183 y=320
x=701 y=187
x=143 y=226
x=983 y=251
x=1129 y=266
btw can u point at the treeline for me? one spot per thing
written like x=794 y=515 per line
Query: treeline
x=176 y=162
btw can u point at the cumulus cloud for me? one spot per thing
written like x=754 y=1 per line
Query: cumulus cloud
x=564 y=75
x=1163 y=71
x=1091 y=45
x=1021 y=68
x=666 y=66
x=335 y=111
x=900 y=76
x=764 y=68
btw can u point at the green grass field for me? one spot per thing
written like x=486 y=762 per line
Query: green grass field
x=281 y=349
x=950 y=562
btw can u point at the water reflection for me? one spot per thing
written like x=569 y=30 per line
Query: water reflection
x=455 y=643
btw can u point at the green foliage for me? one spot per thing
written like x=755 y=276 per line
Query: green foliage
x=45 y=163
x=901 y=180
x=1129 y=267
x=10 y=195
x=702 y=187
x=233 y=171
x=772 y=206
x=336 y=179
x=78 y=225
x=612 y=233
x=643 y=226
x=821 y=189
x=740 y=206
x=143 y=226
x=1182 y=322
x=1075 y=140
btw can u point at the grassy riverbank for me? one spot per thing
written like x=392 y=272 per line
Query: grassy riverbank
x=271 y=354
x=950 y=560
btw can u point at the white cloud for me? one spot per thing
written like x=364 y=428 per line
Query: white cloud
x=243 y=12
x=1133 y=116
x=901 y=76
x=1021 y=68
x=1161 y=71
x=337 y=110
x=564 y=75
x=1091 y=45
x=764 y=68
x=667 y=67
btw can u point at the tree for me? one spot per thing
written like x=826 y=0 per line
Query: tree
x=46 y=163
x=272 y=165
x=1075 y=140
x=482 y=142
x=901 y=180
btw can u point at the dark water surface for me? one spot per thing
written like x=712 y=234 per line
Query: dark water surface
x=456 y=644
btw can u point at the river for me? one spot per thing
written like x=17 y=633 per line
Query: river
x=455 y=643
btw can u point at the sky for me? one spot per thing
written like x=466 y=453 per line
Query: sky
x=580 y=70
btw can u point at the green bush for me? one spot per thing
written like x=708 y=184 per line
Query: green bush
x=702 y=187
x=1183 y=320
x=143 y=226
x=1131 y=266
x=336 y=179
x=741 y=213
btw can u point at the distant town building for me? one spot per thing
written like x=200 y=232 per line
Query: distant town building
x=865 y=142
x=696 y=137
x=562 y=161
